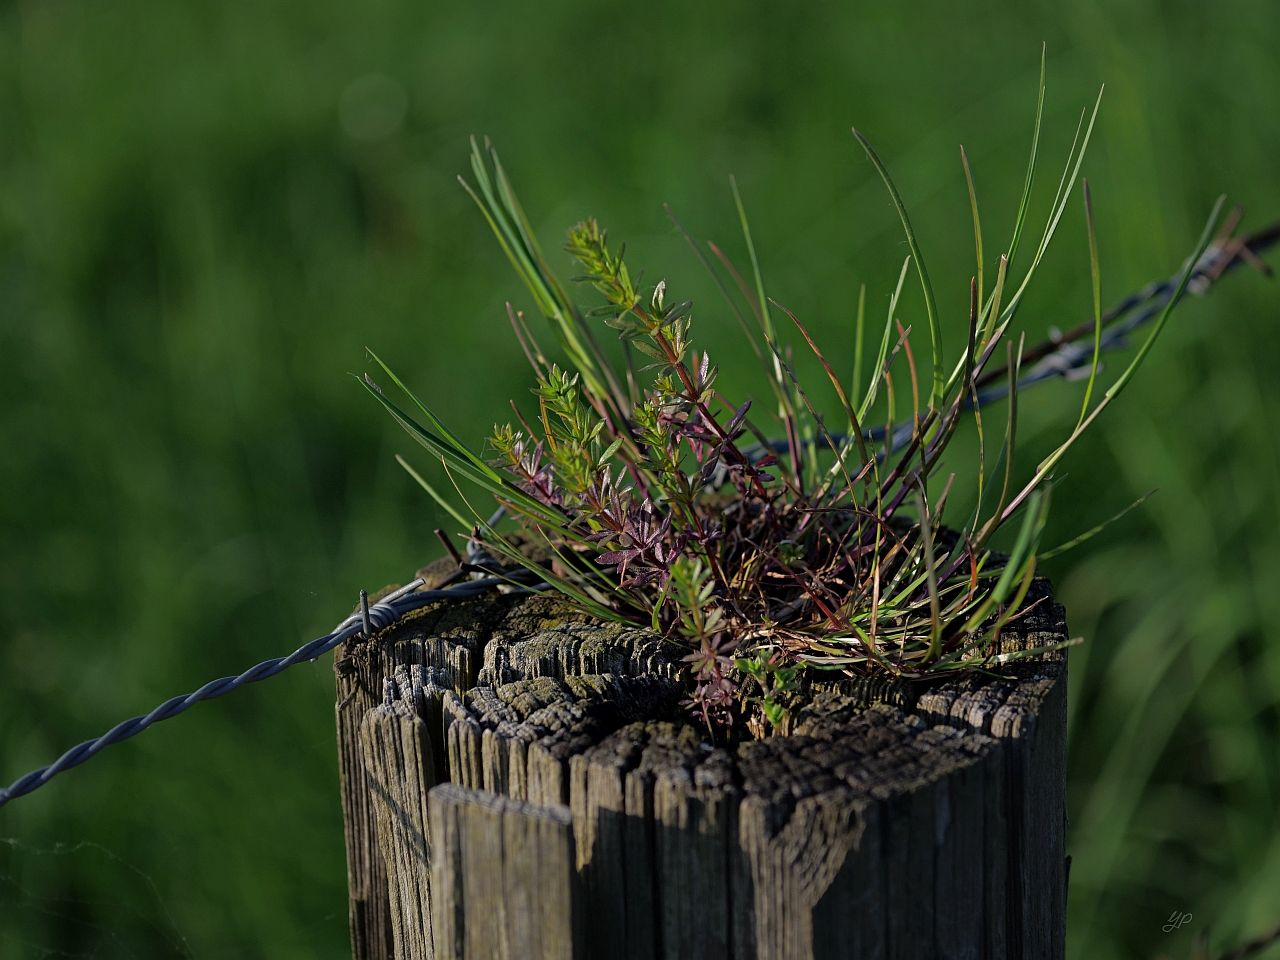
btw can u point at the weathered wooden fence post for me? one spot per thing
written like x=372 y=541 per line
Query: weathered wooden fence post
x=505 y=880
x=518 y=781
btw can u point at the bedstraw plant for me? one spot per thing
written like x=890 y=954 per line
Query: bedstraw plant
x=773 y=544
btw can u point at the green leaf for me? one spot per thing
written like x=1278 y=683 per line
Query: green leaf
x=858 y=340
x=1025 y=202
x=435 y=495
x=1076 y=541
x=1205 y=236
x=1065 y=185
x=977 y=221
x=878 y=371
x=455 y=443
x=766 y=322
x=649 y=350
x=462 y=461
x=1048 y=462
x=506 y=218
x=935 y=331
x=1096 y=275
x=609 y=452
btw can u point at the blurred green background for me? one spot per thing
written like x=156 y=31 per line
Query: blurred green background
x=209 y=210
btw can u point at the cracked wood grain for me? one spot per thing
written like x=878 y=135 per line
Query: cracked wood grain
x=893 y=821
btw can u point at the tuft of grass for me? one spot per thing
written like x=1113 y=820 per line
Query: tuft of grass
x=772 y=549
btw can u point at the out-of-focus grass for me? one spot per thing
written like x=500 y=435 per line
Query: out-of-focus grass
x=206 y=213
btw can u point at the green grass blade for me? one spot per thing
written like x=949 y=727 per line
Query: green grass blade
x=855 y=427
x=456 y=443
x=968 y=357
x=572 y=316
x=1023 y=205
x=877 y=372
x=435 y=494
x=578 y=594
x=1020 y=564
x=524 y=269
x=498 y=543
x=1206 y=235
x=1024 y=547
x=935 y=331
x=1088 y=534
x=982 y=456
x=1096 y=275
x=860 y=330
x=464 y=462
x=977 y=220
x=1010 y=443
x=931 y=574
x=1060 y=205
x=766 y=322
x=506 y=218
x=993 y=311
x=724 y=291
x=515 y=211
x=840 y=452
x=1048 y=462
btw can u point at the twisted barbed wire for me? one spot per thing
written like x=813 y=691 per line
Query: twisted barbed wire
x=1070 y=355
x=365 y=621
